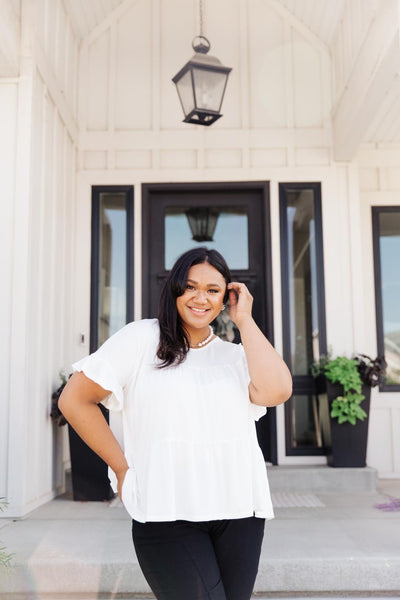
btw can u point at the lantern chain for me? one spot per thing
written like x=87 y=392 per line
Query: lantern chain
x=201 y=17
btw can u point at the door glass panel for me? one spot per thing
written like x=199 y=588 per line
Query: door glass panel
x=304 y=334
x=112 y=265
x=309 y=421
x=221 y=228
x=389 y=245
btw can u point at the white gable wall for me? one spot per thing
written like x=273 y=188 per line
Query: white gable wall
x=276 y=127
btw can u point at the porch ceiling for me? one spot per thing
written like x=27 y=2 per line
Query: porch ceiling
x=87 y=14
x=367 y=105
x=321 y=17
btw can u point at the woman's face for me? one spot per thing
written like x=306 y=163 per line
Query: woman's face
x=202 y=299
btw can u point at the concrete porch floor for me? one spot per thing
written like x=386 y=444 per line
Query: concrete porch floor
x=83 y=551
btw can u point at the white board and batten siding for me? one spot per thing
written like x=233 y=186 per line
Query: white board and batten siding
x=379 y=182
x=95 y=105
x=272 y=129
x=39 y=239
x=276 y=127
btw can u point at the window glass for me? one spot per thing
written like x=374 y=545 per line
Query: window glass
x=303 y=307
x=223 y=229
x=303 y=317
x=112 y=265
x=309 y=421
x=389 y=247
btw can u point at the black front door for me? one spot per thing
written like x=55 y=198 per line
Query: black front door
x=236 y=217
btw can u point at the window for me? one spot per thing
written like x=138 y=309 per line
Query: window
x=227 y=229
x=303 y=310
x=386 y=239
x=112 y=262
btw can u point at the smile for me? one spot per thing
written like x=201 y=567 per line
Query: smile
x=198 y=310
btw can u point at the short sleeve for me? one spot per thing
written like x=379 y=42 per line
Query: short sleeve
x=113 y=364
x=256 y=411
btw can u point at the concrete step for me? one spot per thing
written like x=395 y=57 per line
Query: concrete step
x=322 y=479
x=256 y=596
x=83 y=550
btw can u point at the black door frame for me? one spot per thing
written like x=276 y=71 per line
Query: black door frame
x=149 y=192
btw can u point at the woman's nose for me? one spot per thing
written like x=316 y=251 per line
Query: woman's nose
x=200 y=296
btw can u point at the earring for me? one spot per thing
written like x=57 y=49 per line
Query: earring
x=223 y=307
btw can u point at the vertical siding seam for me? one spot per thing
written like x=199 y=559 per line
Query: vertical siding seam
x=19 y=356
x=244 y=57
x=156 y=66
x=111 y=95
x=73 y=189
x=82 y=98
x=155 y=83
x=290 y=93
x=356 y=258
x=62 y=225
x=245 y=79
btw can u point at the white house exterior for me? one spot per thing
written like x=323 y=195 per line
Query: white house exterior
x=87 y=100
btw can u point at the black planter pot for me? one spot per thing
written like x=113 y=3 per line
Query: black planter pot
x=348 y=442
x=89 y=472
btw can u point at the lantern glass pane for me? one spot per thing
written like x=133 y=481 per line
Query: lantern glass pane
x=185 y=91
x=209 y=88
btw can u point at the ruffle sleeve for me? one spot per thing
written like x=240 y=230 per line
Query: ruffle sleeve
x=257 y=411
x=99 y=371
x=114 y=364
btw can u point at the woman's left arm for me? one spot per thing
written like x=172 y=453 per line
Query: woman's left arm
x=270 y=379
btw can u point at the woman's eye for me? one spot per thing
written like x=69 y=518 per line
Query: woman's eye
x=213 y=291
x=189 y=287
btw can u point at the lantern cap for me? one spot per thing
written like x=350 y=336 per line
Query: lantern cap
x=202 y=46
x=202 y=61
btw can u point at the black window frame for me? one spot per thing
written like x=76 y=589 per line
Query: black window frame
x=95 y=251
x=302 y=384
x=375 y=212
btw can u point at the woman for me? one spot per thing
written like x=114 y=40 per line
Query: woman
x=192 y=475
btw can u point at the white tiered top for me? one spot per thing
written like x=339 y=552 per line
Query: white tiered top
x=189 y=433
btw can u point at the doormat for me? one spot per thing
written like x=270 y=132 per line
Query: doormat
x=295 y=500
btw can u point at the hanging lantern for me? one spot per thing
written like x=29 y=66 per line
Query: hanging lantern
x=202 y=223
x=201 y=85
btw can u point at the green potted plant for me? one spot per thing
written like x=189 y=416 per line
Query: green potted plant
x=348 y=383
x=89 y=472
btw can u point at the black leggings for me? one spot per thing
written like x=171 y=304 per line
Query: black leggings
x=202 y=560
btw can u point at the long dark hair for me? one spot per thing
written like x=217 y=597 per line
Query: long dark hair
x=174 y=343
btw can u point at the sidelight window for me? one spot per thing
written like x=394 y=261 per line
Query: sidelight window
x=303 y=311
x=112 y=262
x=386 y=236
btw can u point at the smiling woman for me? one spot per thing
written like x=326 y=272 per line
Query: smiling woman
x=192 y=475
x=201 y=302
x=191 y=299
